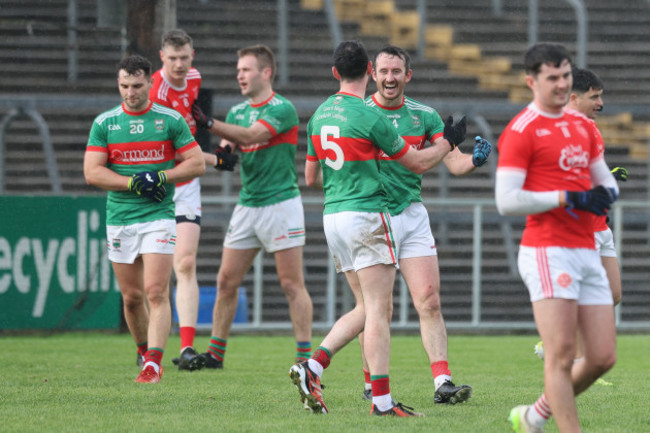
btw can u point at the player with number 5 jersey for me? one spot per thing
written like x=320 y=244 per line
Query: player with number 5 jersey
x=345 y=140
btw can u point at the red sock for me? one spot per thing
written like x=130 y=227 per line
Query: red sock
x=187 y=336
x=440 y=367
x=366 y=375
x=322 y=356
x=380 y=385
x=154 y=354
x=142 y=348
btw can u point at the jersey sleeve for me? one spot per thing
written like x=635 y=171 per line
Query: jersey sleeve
x=434 y=126
x=311 y=151
x=385 y=136
x=515 y=150
x=98 y=138
x=182 y=136
x=279 y=118
x=598 y=146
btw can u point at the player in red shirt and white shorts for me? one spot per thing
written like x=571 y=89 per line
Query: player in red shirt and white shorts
x=551 y=168
x=176 y=85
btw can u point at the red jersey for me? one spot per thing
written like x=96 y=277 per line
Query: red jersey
x=555 y=153
x=178 y=98
x=600 y=222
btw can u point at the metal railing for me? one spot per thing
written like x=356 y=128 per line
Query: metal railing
x=48 y=149
x=477 y=208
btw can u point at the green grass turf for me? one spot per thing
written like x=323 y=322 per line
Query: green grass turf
x=84 y=383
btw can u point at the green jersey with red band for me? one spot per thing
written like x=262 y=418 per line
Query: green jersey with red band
x=417 y=124
x=347 y=137
x=135 y=142
x=268 y=170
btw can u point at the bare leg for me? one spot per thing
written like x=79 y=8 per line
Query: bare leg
x=289 y=268
x=130 y=278
x=187 y=295
x=377 y=289
x=348 y=326
x=157 y=271
x=234 y=265
x=557 y=324
x=422 y=276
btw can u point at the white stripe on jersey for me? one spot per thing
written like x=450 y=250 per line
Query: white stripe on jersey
x=524 y=120
x=112 y=113
x=414 y=105
x=240 y=106
x=165 y=110
x=193 y=75
x=163 y=89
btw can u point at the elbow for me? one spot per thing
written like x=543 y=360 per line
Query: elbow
x=503 y=208
x=420 y=168
x=310 y=182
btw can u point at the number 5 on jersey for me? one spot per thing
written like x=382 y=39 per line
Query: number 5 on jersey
x=326 y=132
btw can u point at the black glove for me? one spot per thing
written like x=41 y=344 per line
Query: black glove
x=226 y=160
x=202 y=120
x=455 y=134
x=482 y=149
x=150 y=184
x=597 y=200
x=620 y=173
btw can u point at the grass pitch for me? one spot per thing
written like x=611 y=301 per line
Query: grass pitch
x=84 y=383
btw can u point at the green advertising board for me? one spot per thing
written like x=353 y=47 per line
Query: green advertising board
x=54 y=273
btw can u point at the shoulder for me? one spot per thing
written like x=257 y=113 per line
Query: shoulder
x=280 y=101
x=414 y=105
x=193 y=74
x=522 y=121
x=112 y=113
x=166 y=111
x=240 y=107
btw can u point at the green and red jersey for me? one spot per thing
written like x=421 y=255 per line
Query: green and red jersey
x=135 y=142
x=347 y=139
x=268 y=170
x=417 y=124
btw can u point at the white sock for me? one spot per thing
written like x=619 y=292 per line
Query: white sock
x=439 y=380
x=153 y=364
x=315 y=367
x=367 y=385
x=383 y=402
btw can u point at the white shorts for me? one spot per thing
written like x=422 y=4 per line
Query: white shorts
x=413 y=232
x=126 y=243
x=605 y=243
x=187 y=201
x=357 y=240
x=564 y=273
x=275 y=227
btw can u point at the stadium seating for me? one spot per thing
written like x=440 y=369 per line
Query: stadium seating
x=467 y=46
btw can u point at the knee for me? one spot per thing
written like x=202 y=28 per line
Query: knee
x=226 y=286
x=157 y=295
x=185 y=265
x=133 y=300
x=293 y=289
x=428 y=304
x=603 y=363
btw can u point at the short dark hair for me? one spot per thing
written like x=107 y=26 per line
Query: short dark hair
x=177 y=38
x=264 y=56
x=585 y=80
x=544 y=53
x=351 y=60
x=135 y=65
x=392 y=50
